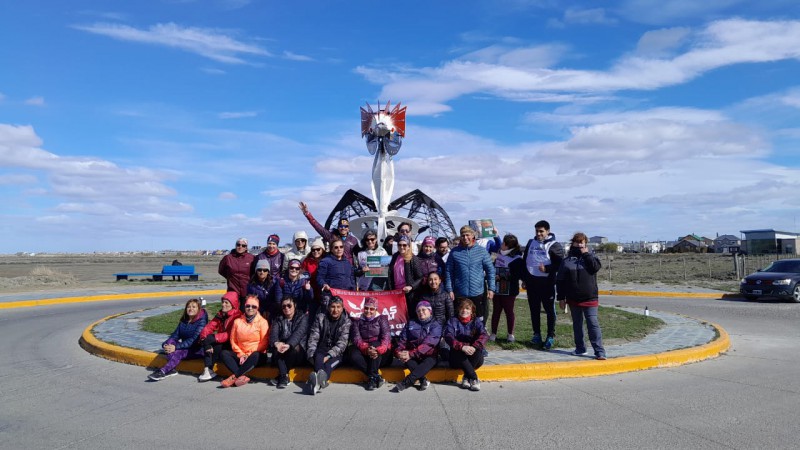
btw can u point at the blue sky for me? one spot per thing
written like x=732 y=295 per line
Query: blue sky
x=186 y=124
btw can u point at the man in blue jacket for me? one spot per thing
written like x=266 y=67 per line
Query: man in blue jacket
x=469 y=272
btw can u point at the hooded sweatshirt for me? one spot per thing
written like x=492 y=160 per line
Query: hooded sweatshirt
x=222 y=323
x=294 y=253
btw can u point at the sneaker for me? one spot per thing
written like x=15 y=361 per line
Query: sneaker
x=536 y=340
x=228 y=382
x=322 y=378
x=492 y=337
x=241 y=381
x=379 y=381
x=578 y=352
x=207 y=375
x=511 y=338
x=423 y=383
x=401 y=386
x=370 y=384
x=313 y=385
x=475 y=385
x=465 y=383
x=158 y=375
x=548 y=343
x=282 y=382
x=601 y=357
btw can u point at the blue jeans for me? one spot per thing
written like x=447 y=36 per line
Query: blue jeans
x=592 y=326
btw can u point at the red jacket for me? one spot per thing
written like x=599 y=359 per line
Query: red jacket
x=235 y=268
x=222 y=323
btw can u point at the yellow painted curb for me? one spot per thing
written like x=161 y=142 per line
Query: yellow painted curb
x=502 y=372
x=108 y=297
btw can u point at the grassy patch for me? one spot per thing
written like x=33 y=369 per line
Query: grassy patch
x=617 y=326
x=166 y=323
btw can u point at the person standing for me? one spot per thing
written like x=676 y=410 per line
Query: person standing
x=509 y=269
x=273 y=256
x=542 y=257
x=427 y=258
x=299 y=250
x=335 y=272
x=267 y=288
x=370 y=247
x=236 y=267
x=577 y=285
x=405 y=272
x=342 y=232
x=442 y=252
x=470 y=273
x=310 y=266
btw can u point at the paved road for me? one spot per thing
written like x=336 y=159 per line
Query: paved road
x=55 y=395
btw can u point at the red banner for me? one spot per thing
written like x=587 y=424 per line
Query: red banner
x=391 y=304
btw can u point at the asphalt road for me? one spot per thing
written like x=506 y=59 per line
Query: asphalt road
x=55 y=395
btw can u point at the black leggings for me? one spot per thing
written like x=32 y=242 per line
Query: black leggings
x=366 y=364
x=467 y=363
x=419 y=368
x=292 y=357
x=328 y=367
x=210 y=342
x=231 y=361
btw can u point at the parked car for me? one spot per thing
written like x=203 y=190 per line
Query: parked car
x=780 y=279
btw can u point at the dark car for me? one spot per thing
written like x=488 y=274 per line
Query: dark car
x=780 y=279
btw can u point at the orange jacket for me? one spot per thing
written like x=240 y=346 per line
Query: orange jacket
x=247 y=338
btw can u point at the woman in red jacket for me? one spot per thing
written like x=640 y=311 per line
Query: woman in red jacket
x=310 y=266
x=216 y=334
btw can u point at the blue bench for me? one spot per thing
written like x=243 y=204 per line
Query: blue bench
x=166 y=271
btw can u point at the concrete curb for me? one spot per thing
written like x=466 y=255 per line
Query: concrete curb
x=665 y=294
x=105 y=298
x=503 y=372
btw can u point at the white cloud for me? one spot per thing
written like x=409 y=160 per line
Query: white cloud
x=296 y=57
x=227 y=196
x=662 y=43
x=210 y=43
x=588 y=16
x=35 y=101
x=525 y=76
x=237 y=114
x=16 y=179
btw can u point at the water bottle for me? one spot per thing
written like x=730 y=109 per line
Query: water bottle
x=202 y=302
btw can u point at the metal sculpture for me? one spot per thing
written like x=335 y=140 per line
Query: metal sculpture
x=384 y=130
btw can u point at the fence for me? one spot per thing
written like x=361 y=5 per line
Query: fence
x=680 y=267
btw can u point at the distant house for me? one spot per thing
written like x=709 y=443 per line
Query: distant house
x=759 y=242
x=598 y=240
x=727 y=243
x=689 y=245
x=708 y=242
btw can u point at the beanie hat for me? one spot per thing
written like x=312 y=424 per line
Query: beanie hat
x=343 y=222
x=372 y=302
x=424 y=304
x=274 y=238
x=318 y=244
x=262 y=264
x=404 y=238
x=295 y=263
x=336 y=299
x=429 y=241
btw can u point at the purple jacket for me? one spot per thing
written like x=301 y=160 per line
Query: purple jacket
x=428 y=264
x=459 y=334
x=375 y=332
x=269 y=296
x=275 y=261
x=420 y=339
x=350 y=242
x=441 y=303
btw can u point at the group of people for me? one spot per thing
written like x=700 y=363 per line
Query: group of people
x=280 y=304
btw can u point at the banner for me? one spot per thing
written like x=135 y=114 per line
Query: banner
x=391 y=304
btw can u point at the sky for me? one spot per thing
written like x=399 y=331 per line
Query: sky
x=180 y=124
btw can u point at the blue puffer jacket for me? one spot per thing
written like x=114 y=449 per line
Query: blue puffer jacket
x=459 y=334
x=466 y=270
x=296 y=289
x=420 y=339
x=336 y=273
x=269 y=295
x=186 y=333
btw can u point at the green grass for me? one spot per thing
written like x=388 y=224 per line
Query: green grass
x=166 y=323
x=618 y=326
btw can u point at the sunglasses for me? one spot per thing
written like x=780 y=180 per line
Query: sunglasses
x=241 y=245
x=316 y=249
x=337 y=247
x=371 y=239
x=370 y=308
x=402 y=245
x=344 y=226
x=262 y=270
x=294 y=268
x=301 y=240
x=250 y=307
x=287 y=306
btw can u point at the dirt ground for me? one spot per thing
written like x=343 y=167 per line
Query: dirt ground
x=52 y=272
